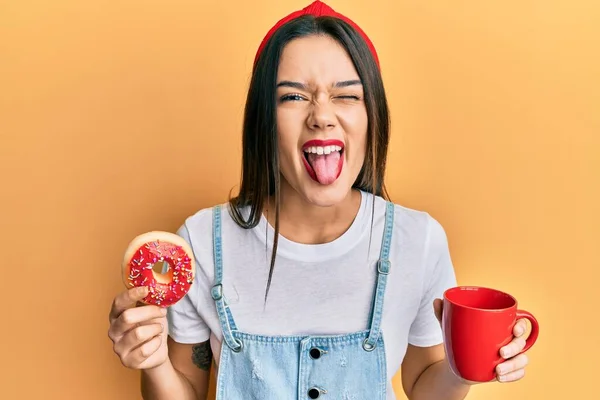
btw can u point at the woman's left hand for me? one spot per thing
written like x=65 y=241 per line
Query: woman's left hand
x=513 y=368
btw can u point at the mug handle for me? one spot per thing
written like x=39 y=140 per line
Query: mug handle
x=534 y=328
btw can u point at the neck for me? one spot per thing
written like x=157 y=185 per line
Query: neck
x=303 y=222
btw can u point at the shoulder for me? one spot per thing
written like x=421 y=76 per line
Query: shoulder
x=428 y=232
x=202 y=219
x=414 y=221
x=416 y=229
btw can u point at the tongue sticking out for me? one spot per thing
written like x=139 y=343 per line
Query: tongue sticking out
x=325 y=166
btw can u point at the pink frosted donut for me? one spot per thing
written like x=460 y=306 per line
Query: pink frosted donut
x=147 y=249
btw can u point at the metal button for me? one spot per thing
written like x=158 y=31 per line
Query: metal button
x=315 y=353
x=314 y=393
x=368 y=346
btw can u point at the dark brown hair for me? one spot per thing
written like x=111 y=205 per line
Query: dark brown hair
x=260 y=178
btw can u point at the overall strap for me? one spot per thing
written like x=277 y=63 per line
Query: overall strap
x=217 y=290
x=383 y=269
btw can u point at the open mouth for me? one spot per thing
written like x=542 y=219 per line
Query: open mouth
x=323 y=160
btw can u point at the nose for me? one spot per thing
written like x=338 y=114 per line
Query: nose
x=321 y=117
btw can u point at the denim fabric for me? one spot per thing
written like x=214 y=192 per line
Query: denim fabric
x=333 y=367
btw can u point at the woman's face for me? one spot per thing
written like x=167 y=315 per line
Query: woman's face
x=321 y=120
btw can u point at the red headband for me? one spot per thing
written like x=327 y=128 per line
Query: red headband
x=318 y=9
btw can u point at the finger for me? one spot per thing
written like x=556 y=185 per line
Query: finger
x=520 y=327
x=438 y=306
x=513 y=348
x=512 y=376
x=512 y=365
x=138 y=355
x=136 y=337
x=133 y=317
x=126 y=300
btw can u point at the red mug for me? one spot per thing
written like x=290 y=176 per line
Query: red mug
x=477 y=322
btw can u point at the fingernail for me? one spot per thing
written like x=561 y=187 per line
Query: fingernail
x=505 y=353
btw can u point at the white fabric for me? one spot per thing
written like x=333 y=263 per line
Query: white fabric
x=319 y=289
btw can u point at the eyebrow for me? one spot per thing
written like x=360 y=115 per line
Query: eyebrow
x=302 y=86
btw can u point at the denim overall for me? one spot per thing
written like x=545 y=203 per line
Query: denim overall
x=333 y=367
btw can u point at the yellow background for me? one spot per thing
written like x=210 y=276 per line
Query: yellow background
x=119 y=117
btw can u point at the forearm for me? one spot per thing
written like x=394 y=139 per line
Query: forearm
x=438 y=382
x=165 y=383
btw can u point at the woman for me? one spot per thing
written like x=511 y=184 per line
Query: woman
x=352 y=280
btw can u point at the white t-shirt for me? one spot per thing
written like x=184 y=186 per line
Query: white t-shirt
x=319 y=289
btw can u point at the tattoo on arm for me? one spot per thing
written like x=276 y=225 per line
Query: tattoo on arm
x=202 y=355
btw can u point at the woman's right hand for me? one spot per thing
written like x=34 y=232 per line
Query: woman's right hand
x=138 y=333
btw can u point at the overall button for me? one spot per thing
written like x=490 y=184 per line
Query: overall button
x=315 y=354
x=314 y=393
